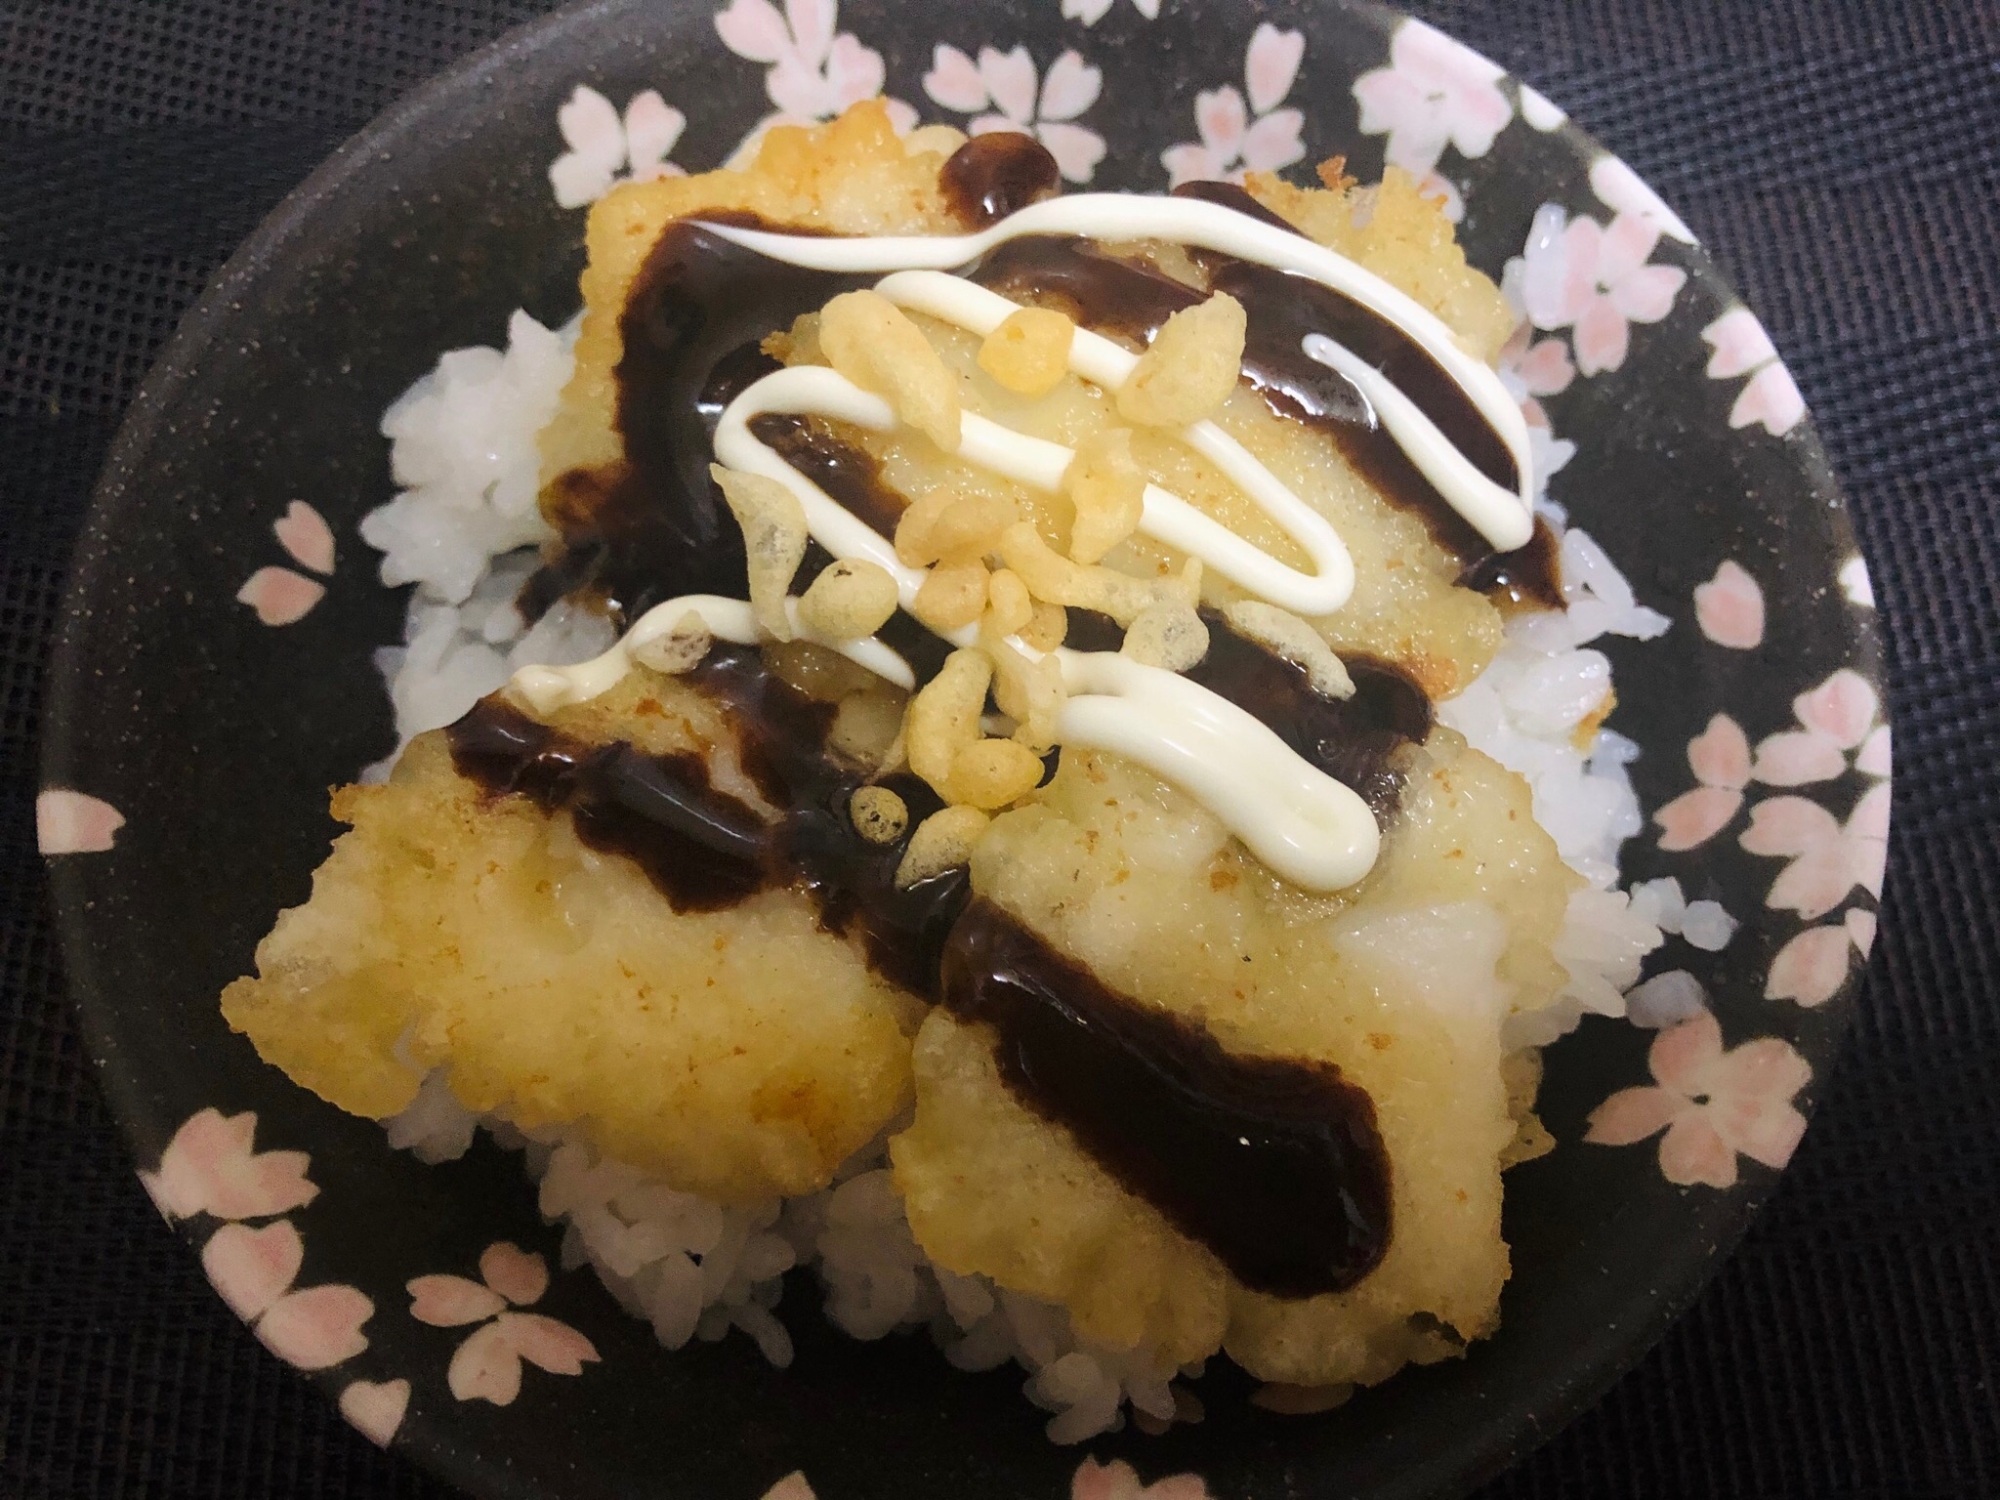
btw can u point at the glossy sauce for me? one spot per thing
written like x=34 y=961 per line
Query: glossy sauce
x=654 y=525
x=1274 y=1163
x=1358 y=741
x=1129 y=300
x=706 y=850
x=994 y=175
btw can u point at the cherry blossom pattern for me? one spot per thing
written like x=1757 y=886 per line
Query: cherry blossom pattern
x=68 y=822
x=1436 y=92
x=1730 y=608
x=1714 y=1105
x=1834 y=718
x=606 y=148
x=1236 y=136
x=1825 y=858
x=1625 y=192
x=1540 y=112
x=1811 y=968
x=1004 y=85
x=1118 y=1480
x=1532 y=368
x=1856 y=584
x=487 y=1365
x=1720 y=759
x=281 y=596
x=1740 y=347
x=375 y=1409
x=253 y=1269
x=813 y=72
x=211 y=1166
x=1090 y=12
x=1594 y=280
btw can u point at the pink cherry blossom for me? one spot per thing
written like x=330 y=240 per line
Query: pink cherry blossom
x=1739 y=342
x=1835 y=717
x=1812 y=966
x=1720 y=759
x=69 y=822
x=375 y=1410
x=1826 y=858
x=487 y=1366
x=814 y=70
x=1714 y=1105
x=280 y=596
x=1770 y=397
x=1090 y=12
x=1238 y=137
x=1541 y=112
x=1611 y=287
x=210 y=1168
x=1435 y=92
x=253 y=1270
x=1855 y=582
x=1730 y=608
x=1592 y=279
x=1530 y=368
x=1875 y=756
x=304 y=534
x=1004 y=84
x=1771 y=400
x=1118 y=1480
x=601 y=143
x=1624 y=192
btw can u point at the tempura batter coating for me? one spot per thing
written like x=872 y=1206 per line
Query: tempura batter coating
x=1401 y=983
x=740 y=1054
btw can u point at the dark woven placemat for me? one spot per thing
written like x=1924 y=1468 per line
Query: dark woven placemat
x=1838 y=156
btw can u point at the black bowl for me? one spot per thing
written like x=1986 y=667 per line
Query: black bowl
x=189 y=748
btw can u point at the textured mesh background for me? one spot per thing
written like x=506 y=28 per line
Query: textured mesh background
x=1839 y=158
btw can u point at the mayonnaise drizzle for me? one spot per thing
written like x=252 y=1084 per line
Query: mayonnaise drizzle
x=1167 y=517
x=1504 y=518
x=1033 y=461
x=550 y=688
x=1304 y=825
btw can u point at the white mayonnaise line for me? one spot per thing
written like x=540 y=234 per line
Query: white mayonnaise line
x=1495 y=513
x=1185 y=221
x=1304 y=825
x=816 y=390
x=1167 y=518
x=550 y=688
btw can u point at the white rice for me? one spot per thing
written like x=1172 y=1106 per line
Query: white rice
x=463 y=529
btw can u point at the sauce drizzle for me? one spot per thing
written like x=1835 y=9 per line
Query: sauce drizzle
x=1274 y=1163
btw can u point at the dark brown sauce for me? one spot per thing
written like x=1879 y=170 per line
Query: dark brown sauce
x=1233 y=195
x=1358 y=741
x=705 y=850
x=1527 y=579
x=702 y=848
x=654 y=525
x=994 y=175
x=1129 y=300
x=852 y=476
x=1100 y=291
x=1274 y=1163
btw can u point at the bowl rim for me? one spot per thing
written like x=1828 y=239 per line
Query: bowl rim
x=1500 y=1445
